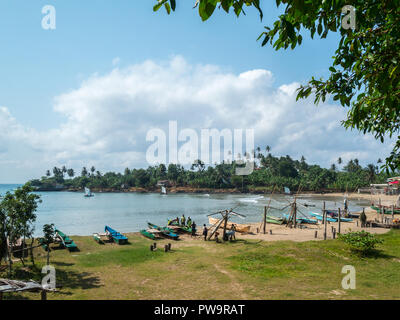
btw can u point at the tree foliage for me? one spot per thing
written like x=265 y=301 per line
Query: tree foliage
x=270 y=171
x=364 y=75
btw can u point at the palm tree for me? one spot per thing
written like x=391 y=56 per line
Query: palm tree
x=333 y=167
x=84 y=172
x=63 y=170
x=379 y=160
x=268 y=149
x=70 y=172
x=48 y=173
x=92 y=169
x=339 y=160
x=371 y=172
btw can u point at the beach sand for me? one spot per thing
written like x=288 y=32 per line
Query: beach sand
x=282 y=232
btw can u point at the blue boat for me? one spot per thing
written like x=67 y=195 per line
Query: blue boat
x=115 y=235
x=319 y=217
x=298 y=220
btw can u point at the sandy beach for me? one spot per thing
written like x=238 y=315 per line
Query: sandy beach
x=306 y=232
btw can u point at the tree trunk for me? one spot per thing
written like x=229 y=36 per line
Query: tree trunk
x=31 y=251
x=48 y=255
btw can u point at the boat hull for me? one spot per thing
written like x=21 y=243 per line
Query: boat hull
x=116 y=236
x=239 y=227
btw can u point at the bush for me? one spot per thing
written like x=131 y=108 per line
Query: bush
x=362 y=241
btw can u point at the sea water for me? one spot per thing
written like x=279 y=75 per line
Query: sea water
x=75 y=214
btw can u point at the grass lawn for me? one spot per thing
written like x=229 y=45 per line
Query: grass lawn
x=196 y=269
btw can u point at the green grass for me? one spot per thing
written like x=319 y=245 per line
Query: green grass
x=206 y=270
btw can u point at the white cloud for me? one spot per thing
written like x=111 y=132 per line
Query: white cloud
x=108 y=116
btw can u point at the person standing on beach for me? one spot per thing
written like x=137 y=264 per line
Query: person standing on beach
x=205 y=231
x=193 y=229
x=189 y=222
x=183 y=220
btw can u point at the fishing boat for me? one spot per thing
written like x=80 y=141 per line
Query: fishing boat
x=66 y=241
x=88 y=193
x=166 y=232
x=152 y=234
x=386 y=209
x=330 y=219
x=335 y=213
x=298 y=219
x=115 y=235
x=177 y=227
x=320 y=217
x=238 y=227
x=100 y=237
x=275 y=220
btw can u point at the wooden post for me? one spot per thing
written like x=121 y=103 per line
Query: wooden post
x=151 y=247
x=43 y=295
x=166 y=248
x=380 y=210
x=324 y=218
x=265 y=219
x=270 y=231
x=295 y=213
x=154 y=245
x=323 y=214
x=225 y=223
x=169 y=247
x=392 y=212
x=217 y=225
x=339 y=219
x=316 y=234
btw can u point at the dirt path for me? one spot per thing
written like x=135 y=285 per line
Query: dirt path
x=237 y=288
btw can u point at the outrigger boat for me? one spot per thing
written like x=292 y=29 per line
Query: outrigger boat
x=334 y=214
x=330 y=219
x=165 y=231
x=150 y=233
x=275 y=220
x=66 y=241
x=115 y=235
x=386 y=209
x=239 y=227
x=175 y=227
x=100 y=237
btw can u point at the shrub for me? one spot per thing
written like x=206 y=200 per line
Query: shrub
x=362 y=241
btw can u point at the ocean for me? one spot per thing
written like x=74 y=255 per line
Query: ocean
x=75 y=214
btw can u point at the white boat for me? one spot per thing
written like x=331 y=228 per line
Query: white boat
x=88 y=193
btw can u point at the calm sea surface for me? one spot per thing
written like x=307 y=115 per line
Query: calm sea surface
x=74 y=214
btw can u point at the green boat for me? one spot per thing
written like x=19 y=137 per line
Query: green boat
x=386 y=210
x=44 y=245
x=274 y=220
x=66 y=241
x=148 y=234
x=97 y=238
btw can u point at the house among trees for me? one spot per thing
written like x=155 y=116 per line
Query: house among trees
x=164 y=183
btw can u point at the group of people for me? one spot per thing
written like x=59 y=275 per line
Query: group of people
x=230 y=235
x=185 y=223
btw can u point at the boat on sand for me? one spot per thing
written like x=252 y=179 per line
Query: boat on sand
x=239 y=227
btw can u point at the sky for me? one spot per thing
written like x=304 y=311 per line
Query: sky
x=88 y=92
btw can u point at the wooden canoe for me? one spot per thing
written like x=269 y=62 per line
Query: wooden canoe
x=239 y=227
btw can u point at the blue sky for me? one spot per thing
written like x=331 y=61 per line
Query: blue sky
x=39 y=66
